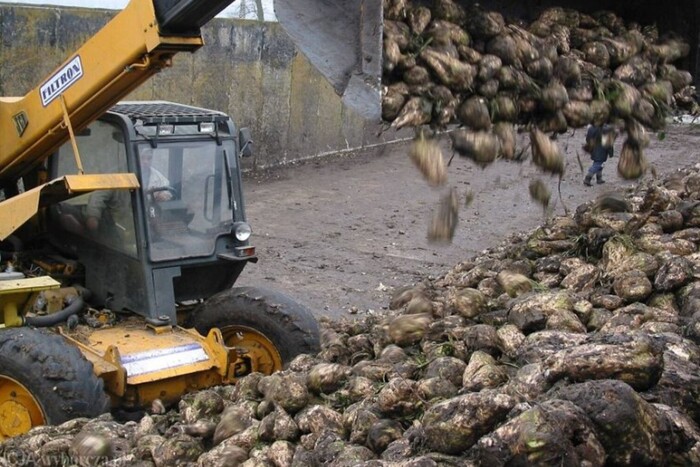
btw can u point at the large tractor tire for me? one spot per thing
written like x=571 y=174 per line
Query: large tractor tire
x=44 y=381
x=271 y=327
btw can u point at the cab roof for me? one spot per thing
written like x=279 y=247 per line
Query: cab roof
x=166 y=112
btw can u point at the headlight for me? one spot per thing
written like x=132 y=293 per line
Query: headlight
x=242 y=231
x=207 y=127
x=166 y=129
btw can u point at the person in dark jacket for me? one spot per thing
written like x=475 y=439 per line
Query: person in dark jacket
x=599 y=143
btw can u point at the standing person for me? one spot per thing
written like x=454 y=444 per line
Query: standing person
x=599 y=144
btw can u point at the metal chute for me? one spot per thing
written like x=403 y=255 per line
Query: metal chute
x=343 y=40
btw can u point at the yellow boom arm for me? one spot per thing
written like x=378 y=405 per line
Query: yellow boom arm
x=122 y=55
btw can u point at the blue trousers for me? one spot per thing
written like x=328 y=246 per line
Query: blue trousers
x=596 y=169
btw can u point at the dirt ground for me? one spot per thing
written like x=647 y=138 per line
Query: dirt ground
x=339 y=234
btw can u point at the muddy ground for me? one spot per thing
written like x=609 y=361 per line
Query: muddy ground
x=341 y=233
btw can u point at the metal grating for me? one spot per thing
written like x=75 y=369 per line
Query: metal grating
x=159 y=112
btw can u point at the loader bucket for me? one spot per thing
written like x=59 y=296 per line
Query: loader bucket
x=343 y=40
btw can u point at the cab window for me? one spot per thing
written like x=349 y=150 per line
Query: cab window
x=105 y=216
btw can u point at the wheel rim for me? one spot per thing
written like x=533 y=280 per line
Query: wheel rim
x=19 y=410
x=260 y=356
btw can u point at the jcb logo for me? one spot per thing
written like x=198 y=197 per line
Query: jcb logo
x=21 y=122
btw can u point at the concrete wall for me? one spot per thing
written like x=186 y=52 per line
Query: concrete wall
x=250 y=70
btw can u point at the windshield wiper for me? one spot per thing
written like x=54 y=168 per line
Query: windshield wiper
x=227 y=171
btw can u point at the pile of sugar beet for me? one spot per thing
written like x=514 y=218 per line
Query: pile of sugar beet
x=452 y=63
x=448 y=63
x=574 y=344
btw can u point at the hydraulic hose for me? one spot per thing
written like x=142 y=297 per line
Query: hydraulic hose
x=55 y=318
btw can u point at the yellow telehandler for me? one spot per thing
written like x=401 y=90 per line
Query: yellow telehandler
x=123 y=230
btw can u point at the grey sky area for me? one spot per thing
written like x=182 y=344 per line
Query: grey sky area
x=246 y=9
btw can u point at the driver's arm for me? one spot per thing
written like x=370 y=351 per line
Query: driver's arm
x=158 y=180
x=97 y=204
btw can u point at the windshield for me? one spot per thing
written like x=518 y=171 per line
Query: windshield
x=187 y=195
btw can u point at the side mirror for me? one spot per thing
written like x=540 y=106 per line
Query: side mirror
x=245 y=141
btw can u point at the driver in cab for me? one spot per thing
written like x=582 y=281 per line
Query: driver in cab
x=115 y=206
x=157 y=183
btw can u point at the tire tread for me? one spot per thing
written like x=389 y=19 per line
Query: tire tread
x=290 y=325
x=65 y=381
